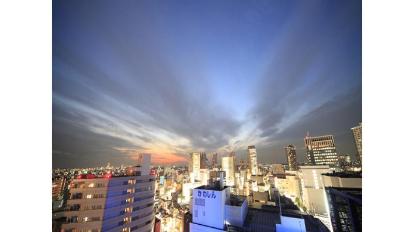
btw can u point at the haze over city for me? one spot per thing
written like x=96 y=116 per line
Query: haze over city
x=172 y=78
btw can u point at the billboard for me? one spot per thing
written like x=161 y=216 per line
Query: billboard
x=208 y=207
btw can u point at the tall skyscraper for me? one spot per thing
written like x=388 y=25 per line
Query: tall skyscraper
x=195 y=164
x=203 y=160
x=252 y=158
x=111 y=203
x=290 y=152
x=357 y=132
x=228 y=165
x=321 y=150
x=214 y=160
x=58 y=185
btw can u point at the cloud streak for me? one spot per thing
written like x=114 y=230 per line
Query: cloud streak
x=128 y=79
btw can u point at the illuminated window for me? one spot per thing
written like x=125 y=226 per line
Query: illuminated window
x=89 y=196
x=132 y=181
x=100 y=195
x=129 y=200
x=126 y=229
x=85 y=219
x=131 y=190
x=128 y=210
x=127 y=219
x=96 y=206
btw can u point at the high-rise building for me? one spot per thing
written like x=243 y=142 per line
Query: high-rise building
x=252 y=159
x=194 y=167
x=58 y=185
x=203 y=161
x=214 y=160
x=144 y=163
x=357 y=132
x=290 y=152
x=111 y=203
x=344 y=161
x=321 y=150
x=228 y=165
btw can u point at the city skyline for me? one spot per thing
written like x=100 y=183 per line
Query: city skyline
x=173 y=78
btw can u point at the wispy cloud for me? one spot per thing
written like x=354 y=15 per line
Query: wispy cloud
x=128 y=79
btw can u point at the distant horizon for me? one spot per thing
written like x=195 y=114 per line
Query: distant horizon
x=175 y=77
x=243 y=157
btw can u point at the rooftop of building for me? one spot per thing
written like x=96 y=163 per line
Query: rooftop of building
x=322 y=137
x=314 y=167
x=292 y=213
x=108 y=175
x=236 y=200
x=279 y=175
x=289 y=209
x=344 y=174
x=212 y=187
x=262 y=218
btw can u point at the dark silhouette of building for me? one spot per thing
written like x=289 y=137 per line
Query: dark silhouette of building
x=290 y=152
x=187 y=219
x=203 y=161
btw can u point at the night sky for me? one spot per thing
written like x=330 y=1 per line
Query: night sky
x=172 y=77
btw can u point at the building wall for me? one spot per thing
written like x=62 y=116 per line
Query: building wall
x=321 y=150
x=204 y=176
x=112 y=204
x=194 y=167
x=293 y=189
x=278 y=169
x=252 y=158
x=201 y=228
x=235 y=215
x=357 y=132
x=315 y=201
x=208 y=207
x=335 y=181
x=312 y=185
x=290 y=224
x=228 y=165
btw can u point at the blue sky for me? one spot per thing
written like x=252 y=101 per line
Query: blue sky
x=173 y=77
